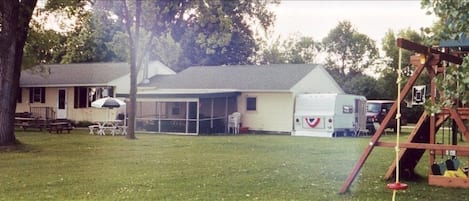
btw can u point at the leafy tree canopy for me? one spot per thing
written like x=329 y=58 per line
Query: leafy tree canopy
x=199 y=32
x=348 y=50
x=362 y=85
x=453 y=18
x=296 y=49
x=392 y=51
x=453 y=24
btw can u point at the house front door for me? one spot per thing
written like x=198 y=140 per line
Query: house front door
x=62 y=104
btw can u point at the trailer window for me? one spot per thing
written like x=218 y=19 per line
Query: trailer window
x=346 y=109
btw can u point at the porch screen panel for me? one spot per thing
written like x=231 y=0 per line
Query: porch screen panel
x=205 y=115
x=232 y=105
x=213 y=114
x=175 y=119
x=192 y=117
x=219 y=114
x=205 y=108
x=146 y=116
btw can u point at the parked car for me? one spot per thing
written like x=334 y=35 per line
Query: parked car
x=377 y=110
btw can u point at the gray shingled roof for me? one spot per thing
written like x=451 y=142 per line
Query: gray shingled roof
x=73 y=74
x=245 y=77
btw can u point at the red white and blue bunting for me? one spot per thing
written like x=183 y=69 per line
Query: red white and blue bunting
x=312 y=122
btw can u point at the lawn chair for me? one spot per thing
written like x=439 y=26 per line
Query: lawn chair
x=234 y=121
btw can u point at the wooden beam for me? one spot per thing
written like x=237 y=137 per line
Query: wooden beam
x=460 y=111
x=422 y=49
x=459 y=122
x=425 y=146
x=431 y=60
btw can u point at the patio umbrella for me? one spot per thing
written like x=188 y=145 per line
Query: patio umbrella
x=108 y=102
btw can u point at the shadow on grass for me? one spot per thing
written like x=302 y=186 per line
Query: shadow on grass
x=19 y=148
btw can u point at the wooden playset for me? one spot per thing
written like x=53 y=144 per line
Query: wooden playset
x=423 y=137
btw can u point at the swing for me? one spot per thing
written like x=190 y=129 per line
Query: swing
x=398 y=185
x=450 y=167
x=439 y=168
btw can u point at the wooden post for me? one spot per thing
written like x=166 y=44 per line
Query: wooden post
x=432 y=120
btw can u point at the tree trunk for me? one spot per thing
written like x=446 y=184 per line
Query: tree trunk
x=15 y=17
x=133 y=43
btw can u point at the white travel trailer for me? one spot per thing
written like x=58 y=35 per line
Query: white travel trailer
x=329 y=115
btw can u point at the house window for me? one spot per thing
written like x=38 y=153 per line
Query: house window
x=80 y=97
x=85 y=95
x=251 y=103
x=37 y=95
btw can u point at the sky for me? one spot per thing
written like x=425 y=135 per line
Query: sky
x=373 y=18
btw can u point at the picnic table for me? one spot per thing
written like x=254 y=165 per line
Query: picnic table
x=29 y=122
x=58 y=127
x=112 y=126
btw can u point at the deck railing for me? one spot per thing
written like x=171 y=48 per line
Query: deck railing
x=45 y=113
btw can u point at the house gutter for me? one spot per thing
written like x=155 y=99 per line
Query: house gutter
x=67 y=85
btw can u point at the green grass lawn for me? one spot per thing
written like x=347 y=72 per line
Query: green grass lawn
x=79 y=166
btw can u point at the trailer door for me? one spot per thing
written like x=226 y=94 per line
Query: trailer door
x=360 y=115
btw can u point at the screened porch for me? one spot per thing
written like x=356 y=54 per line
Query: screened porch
x=192 y=116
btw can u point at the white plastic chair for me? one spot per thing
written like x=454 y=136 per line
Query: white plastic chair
x=234 y=120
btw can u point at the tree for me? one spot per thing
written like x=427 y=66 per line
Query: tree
x=167 y=50
x=453 y=24
x=131 y=20
x=362 y=85
x=43 y=46
x=92 y=39
x=387 y=80
x=15 y=16
x=348 y=50
x=453 y=18
x=210 y=32
x=219 y=32
x=295 y=49
x=392 y=51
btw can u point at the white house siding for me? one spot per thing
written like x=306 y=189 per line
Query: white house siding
x=274 y=111
x=154 y=68
x=317 y=81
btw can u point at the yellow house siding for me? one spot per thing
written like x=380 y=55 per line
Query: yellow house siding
x=75 y=114
x=51 y=100
x=274 y=111
x=23 y=106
